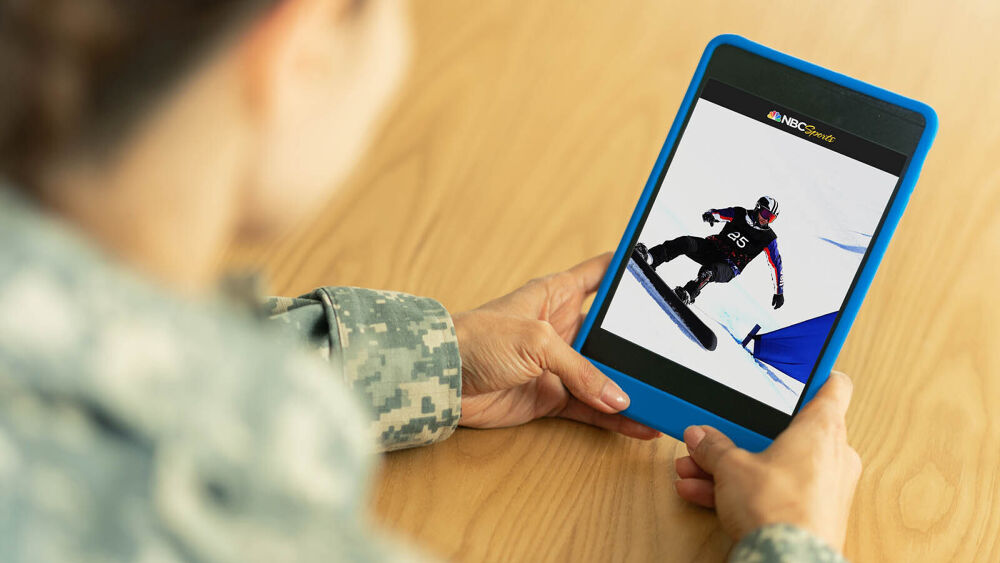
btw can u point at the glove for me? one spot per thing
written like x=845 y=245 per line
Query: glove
x=708 y=218
x=778 y=300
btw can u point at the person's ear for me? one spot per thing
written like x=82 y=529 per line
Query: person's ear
x=290 y=45
x=316 y=76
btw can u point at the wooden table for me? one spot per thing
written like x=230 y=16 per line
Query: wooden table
x=519 y=146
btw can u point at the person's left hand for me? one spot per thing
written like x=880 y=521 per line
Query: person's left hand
x=517 y=364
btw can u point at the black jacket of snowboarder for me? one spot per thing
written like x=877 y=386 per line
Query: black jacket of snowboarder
x=740 y=240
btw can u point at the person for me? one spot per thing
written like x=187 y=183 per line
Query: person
x=148 y=413
x=725 y=255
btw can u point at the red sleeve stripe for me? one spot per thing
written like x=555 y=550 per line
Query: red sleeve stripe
x=723 y=217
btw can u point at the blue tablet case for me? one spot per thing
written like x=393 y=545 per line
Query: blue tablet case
x=669 y=414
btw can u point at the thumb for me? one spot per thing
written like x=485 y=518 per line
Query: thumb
x=583 y=380
x=707 y=446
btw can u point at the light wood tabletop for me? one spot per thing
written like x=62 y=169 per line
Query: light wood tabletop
x=519 y=145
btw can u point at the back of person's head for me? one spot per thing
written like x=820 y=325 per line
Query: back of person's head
x=81 y=76
x=85 y=68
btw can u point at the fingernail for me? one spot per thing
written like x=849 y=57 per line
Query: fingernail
x=613 y=396
x=693 y=436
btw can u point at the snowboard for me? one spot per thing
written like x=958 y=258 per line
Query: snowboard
x=694 y=325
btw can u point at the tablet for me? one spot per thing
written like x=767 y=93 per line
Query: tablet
x=754 y=242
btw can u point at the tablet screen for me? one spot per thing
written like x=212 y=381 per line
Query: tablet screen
x=761 y=223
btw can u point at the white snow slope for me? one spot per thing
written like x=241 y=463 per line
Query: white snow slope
x=830 y=205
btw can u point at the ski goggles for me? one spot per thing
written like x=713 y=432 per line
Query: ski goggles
x=766 y=214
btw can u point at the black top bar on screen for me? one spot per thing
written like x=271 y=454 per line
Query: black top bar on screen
x=802 y=126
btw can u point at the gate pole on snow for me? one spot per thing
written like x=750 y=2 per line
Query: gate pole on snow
x=756 y=329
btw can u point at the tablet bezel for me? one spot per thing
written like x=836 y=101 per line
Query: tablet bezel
x=672 y=414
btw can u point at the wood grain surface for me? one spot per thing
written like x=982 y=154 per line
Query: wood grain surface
x=519 y=146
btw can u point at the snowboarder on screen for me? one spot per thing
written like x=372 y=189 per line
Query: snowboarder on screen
x=725 y=255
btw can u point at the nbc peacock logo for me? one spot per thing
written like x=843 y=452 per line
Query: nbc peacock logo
x=774 y=115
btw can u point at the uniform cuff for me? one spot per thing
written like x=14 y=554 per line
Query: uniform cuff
x=781 y=543
x=398 y=352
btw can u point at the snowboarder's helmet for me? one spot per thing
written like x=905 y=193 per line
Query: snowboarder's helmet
x=767 y=206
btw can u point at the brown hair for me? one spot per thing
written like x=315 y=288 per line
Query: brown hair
x=83 y=69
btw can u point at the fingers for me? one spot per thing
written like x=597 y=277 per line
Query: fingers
x=707 y=446
x=583 y=380
x=589 y=273
x=834 y=397
x=838 y=389
x=687 y=468
x=823 y=419
x=576 y=410
x=697 y=491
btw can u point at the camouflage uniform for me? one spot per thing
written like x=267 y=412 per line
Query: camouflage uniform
x=783 y=543
x=397 y=351
x=136 y=426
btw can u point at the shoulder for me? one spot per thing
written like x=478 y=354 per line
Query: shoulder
x=128 y=413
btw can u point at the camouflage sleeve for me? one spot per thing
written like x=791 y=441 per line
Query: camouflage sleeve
x=398 y=352
x=781 y=543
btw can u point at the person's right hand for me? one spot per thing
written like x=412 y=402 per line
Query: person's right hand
x=708 y=218
x=806 y=477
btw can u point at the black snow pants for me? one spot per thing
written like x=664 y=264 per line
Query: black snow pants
x=714 y=267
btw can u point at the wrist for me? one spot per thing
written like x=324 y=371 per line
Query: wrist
x=469 y=334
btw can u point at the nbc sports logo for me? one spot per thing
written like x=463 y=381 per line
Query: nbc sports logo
x=774 y=115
